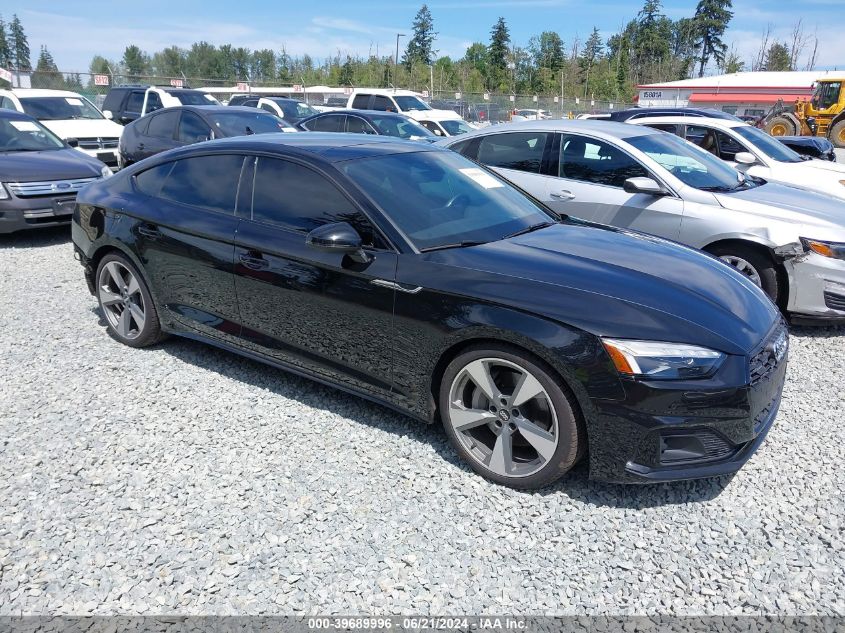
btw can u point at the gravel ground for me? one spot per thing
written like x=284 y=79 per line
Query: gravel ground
x=181 y=479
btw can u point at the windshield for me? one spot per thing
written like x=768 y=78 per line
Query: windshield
x=194 y=97
x=60 y=108
x=768 y=145
x=693 y=166
x=26 y=136
x=399 y=126
x=243 y=123
x=411 y=103
x=441 y=199
x=295 y=111
x=455 y=127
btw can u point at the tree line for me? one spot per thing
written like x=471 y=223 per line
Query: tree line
x=649 y=48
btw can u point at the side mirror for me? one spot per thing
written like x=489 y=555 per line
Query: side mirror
x=338 y=237
x=745 y=158
x=73 y=142
x=108 y=114
x=647 y=186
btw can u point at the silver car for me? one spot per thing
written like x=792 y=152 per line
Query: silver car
x=788 y=240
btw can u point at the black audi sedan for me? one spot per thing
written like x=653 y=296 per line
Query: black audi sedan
x=184 y=125
x=39 y=174
x=411 y=276
x=374 y=122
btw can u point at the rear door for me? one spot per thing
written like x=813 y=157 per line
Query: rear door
x=321 y=312
x=133 y=107
x=590 y=177
x=518 y=156
x=192 y=129
x=160 y=134
x=328 y=123
x=187 y=240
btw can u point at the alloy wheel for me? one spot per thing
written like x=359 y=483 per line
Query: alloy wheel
x=744 y=267
x=123 y=303
x=503 y=416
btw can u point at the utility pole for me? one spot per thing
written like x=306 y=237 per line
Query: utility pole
x=396 y=59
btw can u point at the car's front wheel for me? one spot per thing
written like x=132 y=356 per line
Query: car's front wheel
x=508 y=417
x=126 y=303
x=759 y=268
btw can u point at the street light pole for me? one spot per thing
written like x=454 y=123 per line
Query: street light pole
x=396 y=59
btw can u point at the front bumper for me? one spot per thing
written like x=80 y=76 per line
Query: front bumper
x=17 y=214
x=816 y=288
x=108 y=156
x=666 y=431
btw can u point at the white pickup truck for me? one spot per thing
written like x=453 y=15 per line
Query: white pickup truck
x=409 y=104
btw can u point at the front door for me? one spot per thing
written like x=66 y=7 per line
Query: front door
x=322 y=312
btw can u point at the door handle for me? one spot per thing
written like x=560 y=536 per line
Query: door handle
x=149 y=231
x=563 y=194
x=254 y=261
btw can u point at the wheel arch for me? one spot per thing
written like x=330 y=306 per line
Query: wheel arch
x=760 y=246
x=116 y=247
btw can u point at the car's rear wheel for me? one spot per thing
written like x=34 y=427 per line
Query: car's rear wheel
x=508 y=417
x=759 y=268
x=126 y=304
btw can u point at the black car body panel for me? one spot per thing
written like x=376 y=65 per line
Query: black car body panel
x=812 y=146
x=233 y=282
x=40 y=186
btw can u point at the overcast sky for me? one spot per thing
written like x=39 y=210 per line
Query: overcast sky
x=75 y=30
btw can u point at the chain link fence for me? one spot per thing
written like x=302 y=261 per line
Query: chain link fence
x=472 y=106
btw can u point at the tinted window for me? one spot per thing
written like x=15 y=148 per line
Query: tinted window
x=401 y=126
x=431 y=126
x=299 y=198
x=517 y=150
x=463 y=148
x=6 y=103
x=135 y=102
x=244 y=123
x=361 y=102
x=194 y=97
x=60 y=108
x=357 y=125
x=267 y=107
x=591 y=160
x=383 y=104
x=728 y=146
x=153 y=102
x=163 y=125
x=250 y=103
x=192 y=129
x=330 y=123
x=209 y=182
x=774 y=148
x=151 y=180
x=20 y=135
x=666 y=127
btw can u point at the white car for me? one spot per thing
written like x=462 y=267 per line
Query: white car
x=754 y=152
x=530 y=115
x=404 y=101
x=71 y=117
x=447 y=127
x=157 y=97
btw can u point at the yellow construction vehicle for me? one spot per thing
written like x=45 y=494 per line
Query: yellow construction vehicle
x=823 y=115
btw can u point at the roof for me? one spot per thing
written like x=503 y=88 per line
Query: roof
x=43 y=92
x=690 y=120
x=791 y=79
x=6 y=113
x=364 y=113
x=601 y=127
x=387 y=92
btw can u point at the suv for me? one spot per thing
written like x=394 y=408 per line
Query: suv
x=402 y=101
x=71 y=117
x=124 y=104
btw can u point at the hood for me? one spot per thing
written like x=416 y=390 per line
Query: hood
x=61 y=164
x=785 y=202
x=814 y=165
x=433 y=115
x=622 y=284
x=84 y=128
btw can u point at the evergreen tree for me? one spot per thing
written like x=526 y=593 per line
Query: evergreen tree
x=711 y=21
x=684 y=33
x=778 y=58
x=497 y=54
x=48 y=73
x=135 y=61
x=5 y=49
x=420 y=48
x=652 y=37
x=19 y=45
x=593 y=51
x=346 y=77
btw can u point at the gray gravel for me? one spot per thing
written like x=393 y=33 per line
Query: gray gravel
x=181 y=479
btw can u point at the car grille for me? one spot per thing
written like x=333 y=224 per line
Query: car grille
x=773 y=351
x=98 y=143
x=47 y=187
x=834 y=302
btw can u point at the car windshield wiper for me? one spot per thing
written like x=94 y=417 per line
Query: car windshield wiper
x=462 y=244
x=529 y=229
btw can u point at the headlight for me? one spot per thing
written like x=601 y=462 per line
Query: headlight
x=662 y=361
x=834 y=250
x=4 y=195
x=106 y=171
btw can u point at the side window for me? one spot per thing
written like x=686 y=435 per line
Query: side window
x=208 y=182
x=357 y=125
x=383 y=104
x=151 y=180
x=267 y=107
x=361 y=102
x=329 y=123
x=702 y=136
x=522 y=151
x=250 y=103
x=666 y=127
x=432 y=127
x=153 y=102
x=135 y=102
x=192 y=129
x=465 y=148
x=6 y=103
x=594 y=161
x=728 y=146
x=295 y=197
x=163 y=125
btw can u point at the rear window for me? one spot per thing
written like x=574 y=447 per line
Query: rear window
x=151 y=180
x=207 y=182
x=244 y=123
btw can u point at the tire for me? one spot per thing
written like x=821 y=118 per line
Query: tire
x=525 y=443
x=837 y=134
x=128 y=308
x=780 y=126
x=757 y=266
